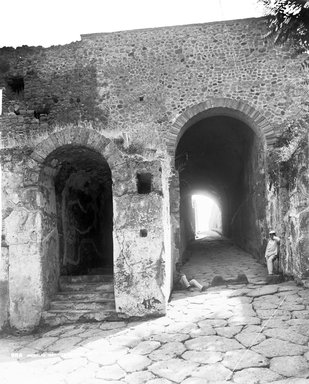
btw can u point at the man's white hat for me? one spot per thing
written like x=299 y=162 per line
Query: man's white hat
x=272 y=232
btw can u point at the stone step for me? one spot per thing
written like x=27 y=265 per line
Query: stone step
x=101 y=271
x=103 y=305
x=86 y=278
x=87 y=287
x=60 y=317
x=84 y=296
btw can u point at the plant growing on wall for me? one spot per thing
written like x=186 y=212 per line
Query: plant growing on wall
x=283 y=158
x=288 y=20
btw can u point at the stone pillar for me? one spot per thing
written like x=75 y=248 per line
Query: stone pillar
x=139 y=251
x=23 y=237
x=49 y=238
x=4 y=286
x=175 y=220
x=4 y=272
x=25 y=271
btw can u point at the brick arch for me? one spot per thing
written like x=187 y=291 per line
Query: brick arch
x=85 y=137
x=220 y=106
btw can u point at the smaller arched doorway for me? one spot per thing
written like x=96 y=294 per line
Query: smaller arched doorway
x=76 y=186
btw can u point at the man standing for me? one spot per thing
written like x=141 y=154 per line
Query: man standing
x=272 y=251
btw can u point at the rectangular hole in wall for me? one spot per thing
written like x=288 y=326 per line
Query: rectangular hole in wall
x=16 y=84
x=143 y=233
x=144 y=182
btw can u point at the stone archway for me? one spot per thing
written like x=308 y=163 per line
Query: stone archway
x=77 y=214
x=32 y=231
x=75 y=185
x=254 y=131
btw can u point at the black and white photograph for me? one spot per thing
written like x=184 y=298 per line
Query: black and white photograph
x=154 y=192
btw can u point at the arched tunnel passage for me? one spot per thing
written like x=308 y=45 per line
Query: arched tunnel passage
x=223 y=156
x=80 y=198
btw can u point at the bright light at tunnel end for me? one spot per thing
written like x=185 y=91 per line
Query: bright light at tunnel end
x=207 y=216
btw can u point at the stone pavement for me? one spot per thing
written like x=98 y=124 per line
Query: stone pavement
x=246 y=334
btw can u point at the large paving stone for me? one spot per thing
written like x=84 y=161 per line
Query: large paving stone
x=274 y=323
x=168 y=337
x=142 y=377
x=159 y=381
x=212 y=323
x=240 y=359
x=132 y=362
x=274 y=347
x=298 y=322
x=203 y=357
x=212 y=343
x=252 y=328
x=301 y=314
x=127 y=340
x=269 y=313
x=110 y=372
x=265 y=304
x=248 y=339
x=255 y=376
x=181 y=327
x=146 y=347
x=286 y=334
x=175 y=370
x=239 y=292
x=244 y=320
x=168 y=351
x=288 y=286
x=220 y=314
x=204 y=331
x=293 y=307
x=263 y=291
x=228 y=332
x=213 y=372
x=291 y=366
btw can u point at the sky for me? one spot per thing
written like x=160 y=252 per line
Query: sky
x=53 y=22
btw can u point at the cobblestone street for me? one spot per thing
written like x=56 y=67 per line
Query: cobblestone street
x=247 y=334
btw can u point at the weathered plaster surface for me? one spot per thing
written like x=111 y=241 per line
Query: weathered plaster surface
x=139 y=269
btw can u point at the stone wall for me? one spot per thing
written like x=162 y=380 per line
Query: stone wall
x=130 y=95
x=139 y=236
x=250 y=225
x=21 y=218
x=289 y=213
